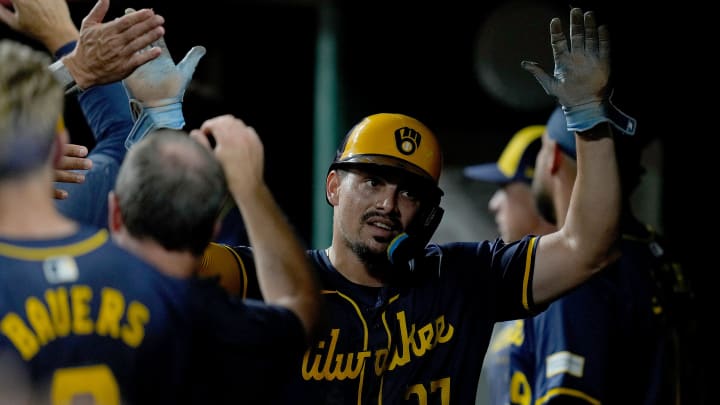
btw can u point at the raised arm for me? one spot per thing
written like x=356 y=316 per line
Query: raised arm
x=106 y=51
x=585 y=243
x=283 y=269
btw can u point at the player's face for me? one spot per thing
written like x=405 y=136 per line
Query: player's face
x=515 y=211
x=373 y=207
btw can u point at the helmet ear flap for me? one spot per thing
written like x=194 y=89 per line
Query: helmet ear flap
x=403 y=249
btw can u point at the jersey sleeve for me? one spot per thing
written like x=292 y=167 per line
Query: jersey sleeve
x=497 y=274
x=233 y=268
x=514 y=265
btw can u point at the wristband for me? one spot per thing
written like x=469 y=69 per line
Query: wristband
x=150 y=118
x=62 y=75
x=585 y=116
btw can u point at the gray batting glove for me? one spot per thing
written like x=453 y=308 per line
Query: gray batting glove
x=156 y=90
x=161 y=82
x=582 y=70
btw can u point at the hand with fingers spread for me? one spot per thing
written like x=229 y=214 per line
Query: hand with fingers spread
x=581 y=71
x=105 y=52
x=108 y=52
x=74 y=158
x=156 y=90
x=160 y=81
x=581 y=74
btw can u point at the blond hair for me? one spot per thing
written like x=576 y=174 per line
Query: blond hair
x=31 y=99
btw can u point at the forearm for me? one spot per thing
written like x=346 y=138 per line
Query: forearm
x=107 y=113
x=592 y=222
x=284 y=272
x=62 y=43
x=65 y=35
x=585 y=243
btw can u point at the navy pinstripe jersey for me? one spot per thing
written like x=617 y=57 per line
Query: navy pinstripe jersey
x=604 y=342
x=421 y=342
x=81 y=318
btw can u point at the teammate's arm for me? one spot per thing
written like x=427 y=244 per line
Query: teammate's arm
x=283 y=269
x=586 y=242
x=106 y=52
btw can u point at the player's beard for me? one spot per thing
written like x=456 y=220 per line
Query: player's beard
x=377 y=263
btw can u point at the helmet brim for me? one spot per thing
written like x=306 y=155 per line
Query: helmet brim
x=387 y=162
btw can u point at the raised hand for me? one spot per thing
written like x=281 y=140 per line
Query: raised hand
x=582 y=70
x=160 y=81
x=105 y=52
x=581 y=74
x=240 y=151
x=108 y=52
x=156 y=90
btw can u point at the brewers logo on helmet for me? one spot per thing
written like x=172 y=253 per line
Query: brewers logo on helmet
x=394 y=140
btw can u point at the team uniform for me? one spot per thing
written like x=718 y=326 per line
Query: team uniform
x=108 y=116
x=240 y=344
x=497 y=360
x=418 y=342
x=610 y=341
x=80 y=318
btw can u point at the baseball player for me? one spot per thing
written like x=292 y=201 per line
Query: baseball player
x=615 y=338
x=112 y=56
x=152 y=215
x=409 y=322
x=79 y=316
x=516 y=215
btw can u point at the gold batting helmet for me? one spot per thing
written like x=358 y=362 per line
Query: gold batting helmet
x=394 y=140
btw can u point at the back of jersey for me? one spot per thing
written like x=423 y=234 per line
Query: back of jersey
x=83 y=320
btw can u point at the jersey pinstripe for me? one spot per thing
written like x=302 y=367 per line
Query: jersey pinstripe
x=418 y=341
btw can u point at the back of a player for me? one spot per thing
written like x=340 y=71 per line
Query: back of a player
x=620 y=338
x=82 y=320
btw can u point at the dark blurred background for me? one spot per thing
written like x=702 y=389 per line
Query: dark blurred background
x=302 y=72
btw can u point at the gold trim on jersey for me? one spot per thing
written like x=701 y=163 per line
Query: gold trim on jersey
x=324 y=361
x=42 y=253
x=526 y=278
x=567 y=392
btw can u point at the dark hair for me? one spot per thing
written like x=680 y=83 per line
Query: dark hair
x=171 y=189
